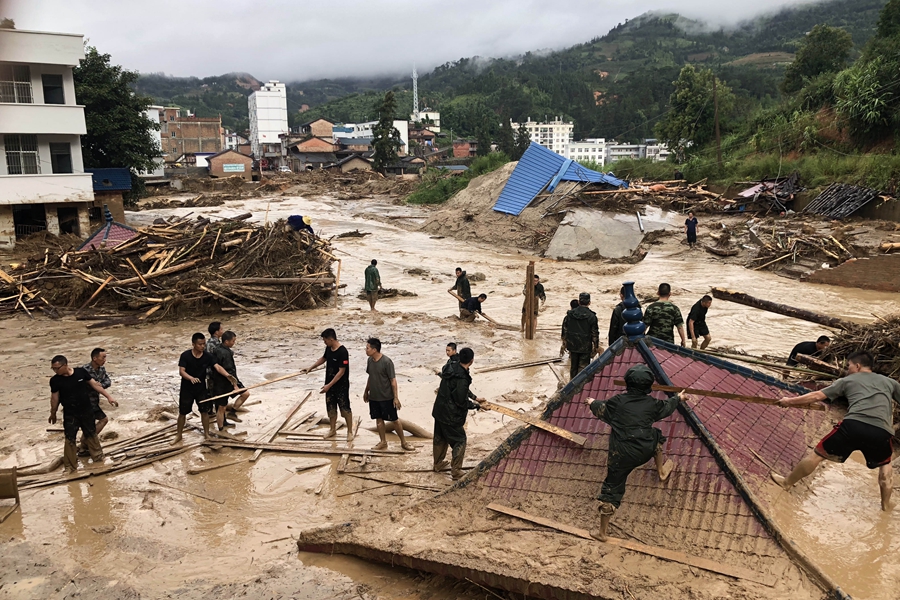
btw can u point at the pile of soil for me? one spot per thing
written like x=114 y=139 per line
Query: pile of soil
x=469 y=215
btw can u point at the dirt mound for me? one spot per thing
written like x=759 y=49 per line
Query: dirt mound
x=469 y=215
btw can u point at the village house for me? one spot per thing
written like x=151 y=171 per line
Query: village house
x=188 y=135
x=465 y=148
x=43 y=185
x=354 y=162
x=229 y=163
x=320 y=128
x=311 y=153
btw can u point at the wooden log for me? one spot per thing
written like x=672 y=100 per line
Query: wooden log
x=520 y=365
x=782 y=309
x=168 y=271
x=138 y=273
x=820 y=365
x=298 y=449
x=188 y=492
x=530 y=321
x=287 y=419
x=226 y=298
x=214 y=467
x=772 y=262
x=724 y=395
x=95 y=294
x=889 y=246
x=721 y=251
x=572 y=437
x=277 y=280
x=670 y=555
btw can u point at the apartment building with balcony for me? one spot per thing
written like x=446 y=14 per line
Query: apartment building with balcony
x=554 y=135
x=43 y=185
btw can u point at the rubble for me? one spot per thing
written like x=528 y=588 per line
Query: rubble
x=173 y=268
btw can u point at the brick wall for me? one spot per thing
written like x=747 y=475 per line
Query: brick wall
x=880 y=273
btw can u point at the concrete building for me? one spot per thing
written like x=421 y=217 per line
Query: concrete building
x=430 y=119
x=268 y=119
x=587 y=150
x=186 y=135
x=343 y=131
x=43 y=185
x=229 y=163
x=553 y=135
x=155 y=114
x=465 y=148
x=319 y=128
x=233 y=141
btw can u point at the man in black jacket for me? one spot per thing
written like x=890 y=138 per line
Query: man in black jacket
x=461 y=288
x=633 y=440
x=580 y=335
x=451 y=407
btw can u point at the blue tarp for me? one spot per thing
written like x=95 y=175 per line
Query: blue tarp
x=539 y=167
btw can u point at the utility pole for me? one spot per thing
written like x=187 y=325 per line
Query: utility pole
x=718 y=136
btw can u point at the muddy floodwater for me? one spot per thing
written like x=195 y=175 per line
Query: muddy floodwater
x=123 y=536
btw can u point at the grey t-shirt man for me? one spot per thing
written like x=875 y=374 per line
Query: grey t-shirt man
x=870 y=397
x=381 y=372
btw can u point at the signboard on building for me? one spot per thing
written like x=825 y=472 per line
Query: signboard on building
x=233 y=168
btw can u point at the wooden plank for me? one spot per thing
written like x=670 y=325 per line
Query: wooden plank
x=520 y=365
x=530 y=322
x=161 y=272
x=726 y=396
x=305 y=449
x=183 y=491
x=214 y=467
x=287 y=419
x=95 y=294
x=670 y=555
x=572 y=437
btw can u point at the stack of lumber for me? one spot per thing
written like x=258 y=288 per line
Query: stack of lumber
x=841 y=200
x=785 y=244
x=676 y=194
x=175 y=267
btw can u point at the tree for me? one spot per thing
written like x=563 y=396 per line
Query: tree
x=523 y=140
x=824 y=50
x=506 y=139
x=690 y=122
x=385 y=137
x=118 y=131
x=483 y=141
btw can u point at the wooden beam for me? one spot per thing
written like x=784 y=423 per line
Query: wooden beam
x=250 y=387
x=572 y=437
x=161 y=272
x=278 y=280
x=214 y=467
x=724 y=395
x=95 y=294
x=530 y=322
x=305 y=449
x=782 y=309
x=821 y=365
x=287 y=419
x=520 y=365
x=183 y=491
x=670 y=555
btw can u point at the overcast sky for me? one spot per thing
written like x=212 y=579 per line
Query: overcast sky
x=298 y=40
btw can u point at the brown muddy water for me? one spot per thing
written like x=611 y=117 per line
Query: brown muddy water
x=123 y=536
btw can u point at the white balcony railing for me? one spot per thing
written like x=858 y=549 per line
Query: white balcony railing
x=40 y=189
x=59 y=119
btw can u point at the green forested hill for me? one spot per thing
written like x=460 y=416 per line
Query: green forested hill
x=616 y=85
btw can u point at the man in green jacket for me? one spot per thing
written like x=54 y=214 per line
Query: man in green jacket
x=580 y=335
x=461 y=288
x=373 y=283
x=633 y=440
x=663 y=316
x=451 y=407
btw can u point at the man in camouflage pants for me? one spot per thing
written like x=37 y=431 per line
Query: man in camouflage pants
x=662 y=316
x=580 y=335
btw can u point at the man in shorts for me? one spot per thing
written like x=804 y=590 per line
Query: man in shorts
x=867 y=426
x=69 y=387
x=226 y=385
x=696 y=323
x=337 y=382
x=381 y=394
x=98 y=373
x=192 y=367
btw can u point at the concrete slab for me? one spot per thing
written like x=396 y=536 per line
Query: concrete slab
x=586 y=233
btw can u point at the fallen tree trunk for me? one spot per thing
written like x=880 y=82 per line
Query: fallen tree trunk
x=821 y=365
x=782 y=309
x=721 y=251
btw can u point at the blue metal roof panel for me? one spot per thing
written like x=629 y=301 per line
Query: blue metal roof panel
x=577 y=172
x=110 y=180
x=535 y=170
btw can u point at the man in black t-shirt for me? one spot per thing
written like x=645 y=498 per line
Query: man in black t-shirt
x=808 y=348
x=70 y=387
x=696 y=322
x=337 y=382
x=192 y=367
x=471 y=307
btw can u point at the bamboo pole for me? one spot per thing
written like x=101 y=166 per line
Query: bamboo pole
x=183 y=491
x=287 y=419
x=763 y=363
x=257 y=385
x=214 y=467
x=725 y=396
x=520 y=365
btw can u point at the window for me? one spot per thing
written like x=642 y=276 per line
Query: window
x=53 y=89
x=21 y=155
x=15 y=84
x=61 y=157
x=173 y=134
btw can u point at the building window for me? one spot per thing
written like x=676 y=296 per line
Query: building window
x=15 y=84
x=21 y=155
x=61 y=157
x=53 y=89
x=173 y=134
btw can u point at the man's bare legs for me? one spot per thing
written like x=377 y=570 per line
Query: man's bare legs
x=663 y=468
x=885 y=484
x=332 y=421
x=382 y=445
x=239 y=402
x=348 y=418
x=398 y=428
x=706 y=340
x=804 y=468
x=182 y=419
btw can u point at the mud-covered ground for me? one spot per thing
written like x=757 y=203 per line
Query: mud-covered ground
x=122 y=536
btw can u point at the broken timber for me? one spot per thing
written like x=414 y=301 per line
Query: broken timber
x=726 y=396
x=671 y=555
x=572 y=437
x=782 y=309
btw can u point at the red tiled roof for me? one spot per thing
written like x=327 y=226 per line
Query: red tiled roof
x=118 y=233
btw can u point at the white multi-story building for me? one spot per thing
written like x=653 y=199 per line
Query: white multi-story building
x=156 y=114
x=431 y=117
x=554 y=135
x=43 y=185
x=233 y=140
x=345 y=131
x=268 y=119
x=587 y=150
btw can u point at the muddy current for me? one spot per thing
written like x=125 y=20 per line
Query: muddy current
x=123 y=536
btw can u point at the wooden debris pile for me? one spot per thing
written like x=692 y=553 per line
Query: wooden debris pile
x=674 y=194
x=786 y=245
x=174 y=268
x=881 y=338
x=841 y=200
x=771 y=194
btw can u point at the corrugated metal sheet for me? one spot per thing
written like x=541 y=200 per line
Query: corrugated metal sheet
x=110 y=180
x=537 y=168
